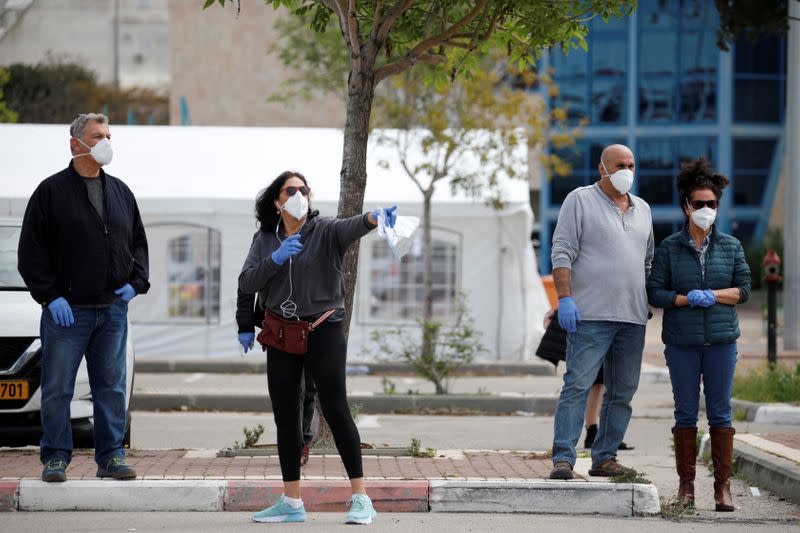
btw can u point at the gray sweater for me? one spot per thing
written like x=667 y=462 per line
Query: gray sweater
x=609 y=254
x=317 y=282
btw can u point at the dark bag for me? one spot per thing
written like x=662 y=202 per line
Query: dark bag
x=286 y=334
x=553 y=346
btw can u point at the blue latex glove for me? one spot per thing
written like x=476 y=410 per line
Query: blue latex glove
x=126 y=292
x=708 y=298
x=697 y=298
x=388 y=214
x=290 y=246
x=62 y=312
x=568 y=314
x=246 y=340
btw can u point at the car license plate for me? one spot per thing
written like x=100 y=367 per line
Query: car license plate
x=14 y=390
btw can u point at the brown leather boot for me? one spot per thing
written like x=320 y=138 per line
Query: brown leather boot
x=722 y=455
x=685 y=460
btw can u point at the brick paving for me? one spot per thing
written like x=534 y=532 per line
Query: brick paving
x=792 y=440
x=175 y=464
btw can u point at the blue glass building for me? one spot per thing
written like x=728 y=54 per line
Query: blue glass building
x=657 y=82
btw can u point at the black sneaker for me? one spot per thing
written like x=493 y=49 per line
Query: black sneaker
x=117 y=468
x=55 y=470
x=562 y=470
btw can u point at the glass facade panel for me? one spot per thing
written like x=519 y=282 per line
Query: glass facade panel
x=656 y=97
x=572 y=97
x=657 y=189
x=657 y=54
x=657 y=14
x=698 y=100
x=758 y=100
x=572 y=65
x=699 y=53
x=760 y=57
x=561 y=186
x=609 y=53
x=693 y=147
x=608 y=101
x=748 y=189
x=744 y=231
x=753 y=153
x=662 y=230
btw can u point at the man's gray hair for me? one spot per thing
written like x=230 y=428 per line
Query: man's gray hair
x=78 y=126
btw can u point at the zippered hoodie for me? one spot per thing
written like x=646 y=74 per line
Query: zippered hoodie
x=66 y=249
x=676 y=270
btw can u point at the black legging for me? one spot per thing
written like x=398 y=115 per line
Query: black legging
x=326 y=357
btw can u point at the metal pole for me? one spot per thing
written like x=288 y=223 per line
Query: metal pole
x=791 y=228
x=772 y=319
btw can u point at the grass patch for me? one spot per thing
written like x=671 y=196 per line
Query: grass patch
x=769 y=383
x=740 y=414
x=673 y=509
x=631 y=477
x=415 y=449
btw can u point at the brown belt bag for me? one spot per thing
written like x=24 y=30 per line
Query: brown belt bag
x=288 y=335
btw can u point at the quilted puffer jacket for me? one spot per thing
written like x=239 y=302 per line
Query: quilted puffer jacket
x=676 y=270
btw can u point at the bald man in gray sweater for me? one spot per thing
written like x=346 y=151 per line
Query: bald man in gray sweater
x=602 y=252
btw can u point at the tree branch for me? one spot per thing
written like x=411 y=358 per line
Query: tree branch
x=432 y=41
x=354 y=40
x=394 y=13
x=405 y=63
x=376 y=20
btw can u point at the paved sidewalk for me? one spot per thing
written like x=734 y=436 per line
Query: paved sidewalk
x=197 y=480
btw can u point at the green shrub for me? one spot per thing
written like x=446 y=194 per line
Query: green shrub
x=769 y=383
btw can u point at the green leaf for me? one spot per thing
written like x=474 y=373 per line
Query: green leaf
x=208 y=4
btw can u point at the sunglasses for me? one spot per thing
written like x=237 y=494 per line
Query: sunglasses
x=291 y=190
x=700 y=204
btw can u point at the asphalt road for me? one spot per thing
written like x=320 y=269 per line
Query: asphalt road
x=86 y=522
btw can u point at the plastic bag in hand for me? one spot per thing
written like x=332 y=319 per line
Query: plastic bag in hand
x=401 y=236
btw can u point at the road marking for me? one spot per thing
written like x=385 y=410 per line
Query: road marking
x=367 y=421
x=193 y=378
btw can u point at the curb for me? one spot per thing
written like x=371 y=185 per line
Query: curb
x=776 y=474
x=378 y=404
x=768 y=413
x=551 y=497
x=259 y=366
x=540 y=496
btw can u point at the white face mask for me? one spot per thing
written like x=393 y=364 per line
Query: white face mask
x=704 y=218
x=297 y=205
x=622 y=180
x=102 y=152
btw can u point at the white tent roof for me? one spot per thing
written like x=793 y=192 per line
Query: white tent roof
x=166 y=162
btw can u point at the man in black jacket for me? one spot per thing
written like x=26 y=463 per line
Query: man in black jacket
x=83 y=255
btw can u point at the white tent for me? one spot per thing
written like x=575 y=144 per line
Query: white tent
x=196 y=188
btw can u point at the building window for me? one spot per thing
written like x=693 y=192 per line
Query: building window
x=659 y=162
x=752 y=158
x=396 y=291
x=678 y=61
x=592 y=83
x=193 y=275
x=760 y=80
x=185 y=272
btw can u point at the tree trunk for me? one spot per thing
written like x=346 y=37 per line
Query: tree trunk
x=353 y=180
x=428 y=342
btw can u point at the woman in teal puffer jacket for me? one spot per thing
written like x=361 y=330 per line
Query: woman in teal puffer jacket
x=699 y=275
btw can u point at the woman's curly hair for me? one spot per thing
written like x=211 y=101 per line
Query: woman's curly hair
x=699 y=174
x=266 y=212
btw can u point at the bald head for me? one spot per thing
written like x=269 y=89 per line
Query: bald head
x=616 y=157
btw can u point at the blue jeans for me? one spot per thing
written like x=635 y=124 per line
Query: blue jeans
x=618 y=347
x=716 y=364
x=100 y=334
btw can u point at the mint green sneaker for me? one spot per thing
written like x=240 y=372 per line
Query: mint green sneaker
x=361 y=510
x=280 y=511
